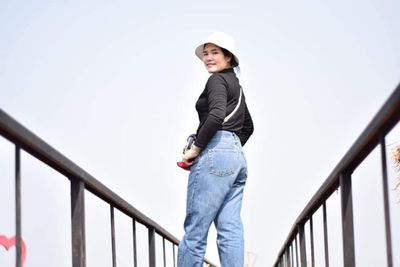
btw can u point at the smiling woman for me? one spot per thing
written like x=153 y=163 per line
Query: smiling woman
x=218 y=168
x=216 y=58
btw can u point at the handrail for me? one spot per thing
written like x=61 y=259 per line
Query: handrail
x=35 y=146
x=374 y=134
x=28 y=141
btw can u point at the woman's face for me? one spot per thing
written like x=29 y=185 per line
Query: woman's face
x=214 y=59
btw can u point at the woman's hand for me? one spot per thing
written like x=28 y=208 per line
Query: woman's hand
x=191 y=154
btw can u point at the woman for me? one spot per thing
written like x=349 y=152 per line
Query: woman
x=218 y=167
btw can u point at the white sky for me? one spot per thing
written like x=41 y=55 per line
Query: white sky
x=112 y=85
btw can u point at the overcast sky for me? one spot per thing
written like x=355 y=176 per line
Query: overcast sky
x=112 y=86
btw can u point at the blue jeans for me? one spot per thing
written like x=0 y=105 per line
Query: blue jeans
x=215 y=191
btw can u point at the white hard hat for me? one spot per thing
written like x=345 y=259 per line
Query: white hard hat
x=222 y=40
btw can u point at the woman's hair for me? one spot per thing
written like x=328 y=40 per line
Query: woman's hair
x=229 y=54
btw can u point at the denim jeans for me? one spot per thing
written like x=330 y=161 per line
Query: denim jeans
x=215 y=191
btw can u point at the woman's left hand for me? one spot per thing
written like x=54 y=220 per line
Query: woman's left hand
x=191 y=154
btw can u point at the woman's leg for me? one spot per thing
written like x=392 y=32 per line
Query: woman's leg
x=229 y=226
x=197 y=223
x=210 y=181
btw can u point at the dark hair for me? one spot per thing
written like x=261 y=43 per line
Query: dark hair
x=233 y=62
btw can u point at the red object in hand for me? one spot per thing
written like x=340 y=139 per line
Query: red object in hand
x=183 y=165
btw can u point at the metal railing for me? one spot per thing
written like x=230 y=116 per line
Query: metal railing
x=341 y=177
x=80 y=181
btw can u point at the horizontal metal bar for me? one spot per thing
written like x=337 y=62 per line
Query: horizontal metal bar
x=381 y=124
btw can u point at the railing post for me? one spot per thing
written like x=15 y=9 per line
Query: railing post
x=303 y=255
x=164 y=256
x=18 y=205
x=386 y=204
x=134 y=243
x=80 y=181
x=297 y=251
x=312 y=242
x=326 y=245
x=113 y=249
x=78 y=223
x=347 y=220
x=173 y=253
x=152 y=247
x=287 y=254
x=291 y=254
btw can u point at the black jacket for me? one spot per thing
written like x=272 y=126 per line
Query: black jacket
x=218 y=100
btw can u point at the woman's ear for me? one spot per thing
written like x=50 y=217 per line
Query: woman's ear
x=229 y=59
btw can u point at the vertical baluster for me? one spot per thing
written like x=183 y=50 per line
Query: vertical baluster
x=152 y=247
x=164 y=256
x=325 y=235
x=173 y=252
x=288 y=257
x=312 y=242
x=303 y=255
x=291 y=254
x=283 y=259
x=386 y=203
x=18 y=227
x=78 y=223
x=297 y=253
x=347 y=220
x=134 y=243
x=114 y=258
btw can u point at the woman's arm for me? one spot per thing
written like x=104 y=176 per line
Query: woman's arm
x=217 y=95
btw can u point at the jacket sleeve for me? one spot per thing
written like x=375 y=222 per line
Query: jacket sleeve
x=248 y=127
x=217 y=95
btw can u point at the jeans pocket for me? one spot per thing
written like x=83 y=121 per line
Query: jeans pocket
x=222 y=162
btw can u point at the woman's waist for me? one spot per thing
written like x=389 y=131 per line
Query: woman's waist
x=224 y=139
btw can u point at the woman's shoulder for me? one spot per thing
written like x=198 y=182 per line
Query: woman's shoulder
x=216 y=75
x=217 y=78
